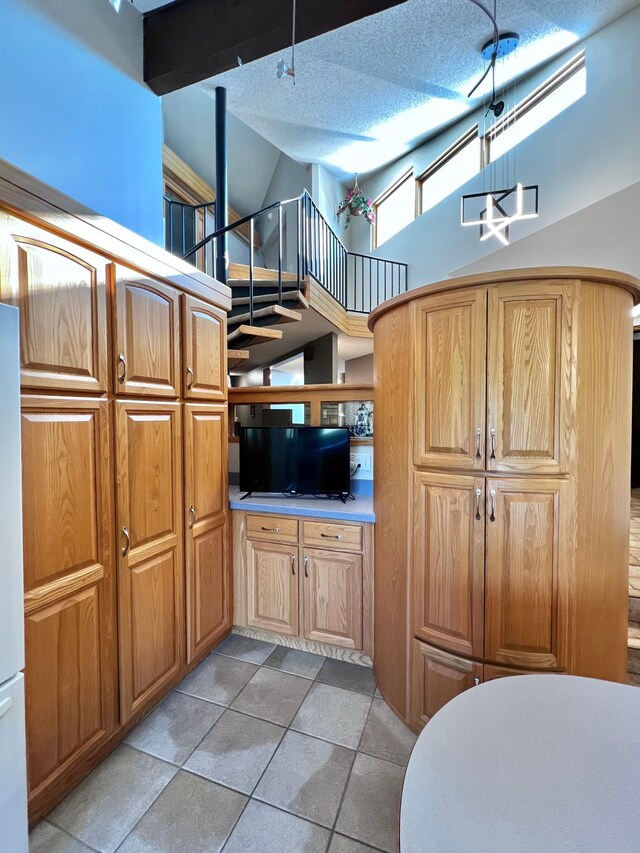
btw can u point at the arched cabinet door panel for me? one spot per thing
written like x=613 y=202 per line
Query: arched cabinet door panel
x=205 y=351
x=436 y=678
x=61 y=292
x=530 y=374
x=450 y=334
x=146 y=351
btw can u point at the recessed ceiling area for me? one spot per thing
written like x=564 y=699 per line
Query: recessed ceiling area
x=368 y=92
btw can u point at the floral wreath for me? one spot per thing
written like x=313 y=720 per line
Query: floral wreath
x=356 y=204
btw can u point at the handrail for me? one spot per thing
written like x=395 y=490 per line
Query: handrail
x=357 y=282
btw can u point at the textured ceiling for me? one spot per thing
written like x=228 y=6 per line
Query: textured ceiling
x=367 y=93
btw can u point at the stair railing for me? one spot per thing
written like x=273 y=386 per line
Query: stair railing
x=357 y=282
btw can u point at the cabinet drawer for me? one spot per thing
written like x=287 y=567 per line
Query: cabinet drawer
x=320 y=534
x=272 y=528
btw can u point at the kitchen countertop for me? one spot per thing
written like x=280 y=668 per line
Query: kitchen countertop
x=360 y=509
x=526 y=764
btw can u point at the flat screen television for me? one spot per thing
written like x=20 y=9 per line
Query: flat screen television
x=296 y=460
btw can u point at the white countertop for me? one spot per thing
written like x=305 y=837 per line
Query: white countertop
x=360 y=509
x=527 y=764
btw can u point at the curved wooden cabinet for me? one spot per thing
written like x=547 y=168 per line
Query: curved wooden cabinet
x=508 y=551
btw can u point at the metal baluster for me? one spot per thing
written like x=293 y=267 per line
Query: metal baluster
x=298 y=239
x=378 y=282
x=279 y=254
x=184 y=242
x=170 y=225
x=251 y=231
x=369 y=289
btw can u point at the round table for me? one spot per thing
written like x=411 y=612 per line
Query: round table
x=535 y=763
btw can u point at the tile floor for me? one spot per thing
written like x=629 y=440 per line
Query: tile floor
x=261 y=749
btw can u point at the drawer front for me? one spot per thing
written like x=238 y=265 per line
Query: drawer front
x=272 y=528
x=345 y=537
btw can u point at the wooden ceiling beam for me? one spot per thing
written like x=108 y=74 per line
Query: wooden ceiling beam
x=192 y=40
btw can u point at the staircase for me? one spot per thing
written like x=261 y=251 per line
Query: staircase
x=264 y=300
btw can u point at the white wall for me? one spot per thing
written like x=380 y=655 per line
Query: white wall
x=75 y=112
x=588 y=153
x=327 y=192
x=288 y=181
x=190 y=130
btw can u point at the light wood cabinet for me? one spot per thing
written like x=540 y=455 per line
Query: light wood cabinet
x=57 y=286
x=272 y=587
x=332 y=597
x=527 y=573
x=437 y=678
x=205 y=350
x=285 y=585
x=206 y=537
x=70 y=620
x=448 y=573
x=150 y=566
x=530 y=376
x=513 y=558
x=146 y=356
x=450 y=417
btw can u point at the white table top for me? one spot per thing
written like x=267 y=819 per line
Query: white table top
x=535 y=763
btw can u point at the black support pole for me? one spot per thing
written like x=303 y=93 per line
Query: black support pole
x=221 y=217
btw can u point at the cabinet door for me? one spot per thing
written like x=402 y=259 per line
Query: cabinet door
x=450 y=333
x=272 y=587
x=150 y=570
x=146 y=357
x=448 y=562
x=69 y=585
x=531 y=365
x=527 y=573
x=437 y=678
x=207 y=563
x=205 y=350
x=332 y=598
x=60 y=290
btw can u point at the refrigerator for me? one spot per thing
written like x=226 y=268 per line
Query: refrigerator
x=13 y=751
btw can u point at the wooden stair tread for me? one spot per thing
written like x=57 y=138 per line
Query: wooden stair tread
x=269 y=298
x=258 y=282
x=280 y=315
x=254 y=335
x=239 y=271
x=236 y=357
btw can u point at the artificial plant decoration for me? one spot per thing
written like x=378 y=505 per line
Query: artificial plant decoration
x=356 y=204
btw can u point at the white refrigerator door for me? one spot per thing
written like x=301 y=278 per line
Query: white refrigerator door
x=14 y=834
x=11 y=593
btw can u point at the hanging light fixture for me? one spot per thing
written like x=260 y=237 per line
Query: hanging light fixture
x=282 y=69
x=495 y=210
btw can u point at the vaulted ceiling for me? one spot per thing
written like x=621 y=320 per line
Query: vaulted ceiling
x=368 y=92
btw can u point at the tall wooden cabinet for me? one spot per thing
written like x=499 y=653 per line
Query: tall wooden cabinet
x=516 y=468
x=126 y=539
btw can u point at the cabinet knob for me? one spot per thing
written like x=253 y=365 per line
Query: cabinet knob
x=127 y=541
x=478 y=495
x=293 y=564
x=478 y=438
x=476 y=681
x=493 y=443
x=329 y=536
x=122 y=362
x=192 y=513
x=492 y=495
x=270 y=529
x=306 y=564
x=189 y=378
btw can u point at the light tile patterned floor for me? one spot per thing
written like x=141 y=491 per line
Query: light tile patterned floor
x=261 y=749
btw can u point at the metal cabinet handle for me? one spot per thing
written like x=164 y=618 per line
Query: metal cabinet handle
x=492 y=494
x=478 y=494
x=125 y=533
x=493 y=443
x=478 y=437
x=329 y=536
x=293 y=564
x=189 y=378
x=192 y=512
x=270 y=529
x=306 y=563
x=122 y=361
x=476 y=681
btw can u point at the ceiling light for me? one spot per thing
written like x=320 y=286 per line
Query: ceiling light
x=284 y=70
x=505 y=44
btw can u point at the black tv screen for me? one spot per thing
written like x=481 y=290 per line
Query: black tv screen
x=297 y=459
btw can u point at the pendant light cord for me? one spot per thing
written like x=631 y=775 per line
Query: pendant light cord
x=293 y=41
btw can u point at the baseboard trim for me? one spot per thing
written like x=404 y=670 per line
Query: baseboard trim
x=329 y=651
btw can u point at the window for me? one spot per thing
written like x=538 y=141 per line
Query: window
x=395 y=208
x=557 y=93
x=459 y=163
